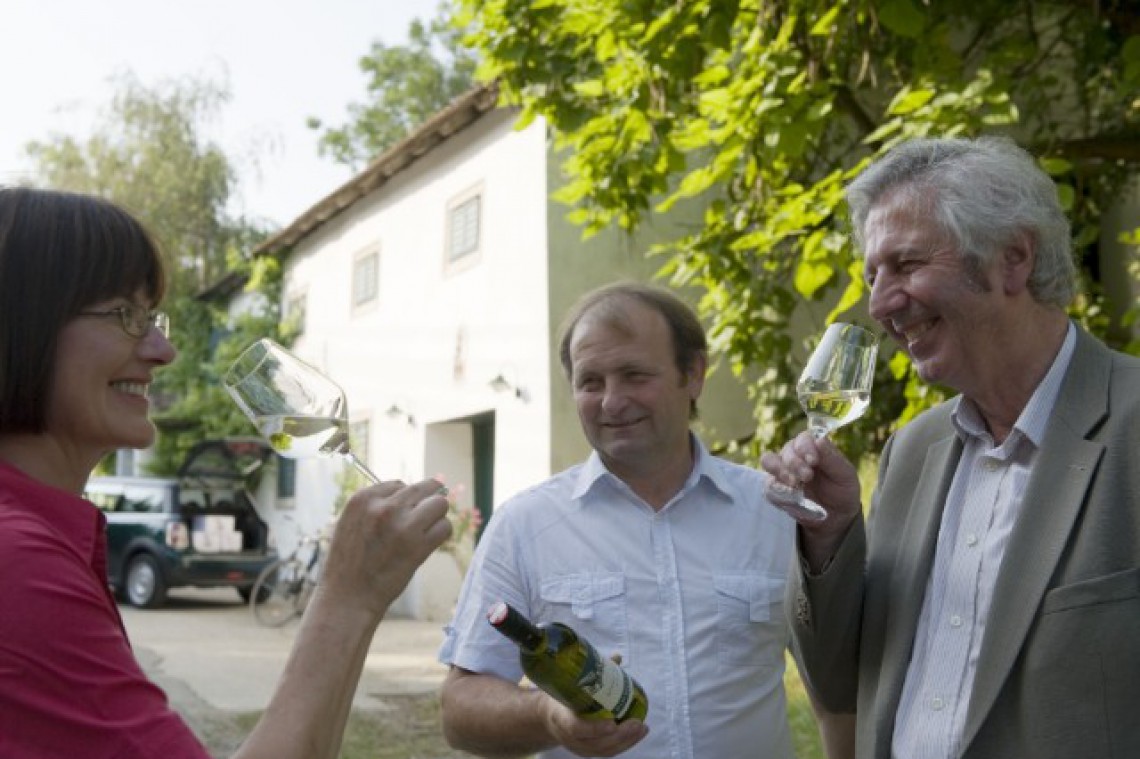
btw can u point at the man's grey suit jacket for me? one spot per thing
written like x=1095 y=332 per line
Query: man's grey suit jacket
x=1059 y=669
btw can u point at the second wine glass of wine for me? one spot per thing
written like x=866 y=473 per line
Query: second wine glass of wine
x=296 y=408
x=834 y=389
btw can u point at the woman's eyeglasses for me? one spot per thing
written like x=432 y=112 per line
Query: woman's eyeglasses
x=136 y=321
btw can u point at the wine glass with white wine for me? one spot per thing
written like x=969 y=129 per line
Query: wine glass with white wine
x=834 y=389
x=297 y=409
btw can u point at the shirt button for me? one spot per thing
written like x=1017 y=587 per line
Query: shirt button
x=937 y=703
x=955 y=621
x=971 y=540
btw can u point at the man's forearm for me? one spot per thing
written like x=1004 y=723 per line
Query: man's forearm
x=490 y=717
x=825 y=616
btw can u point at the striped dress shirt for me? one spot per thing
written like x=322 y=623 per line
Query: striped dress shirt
x=982 y=507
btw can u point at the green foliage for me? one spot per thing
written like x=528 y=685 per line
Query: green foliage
x=801 y=717
x=148 y=153
x=1132 y=315
x=761 y=111
x=198 y=406
x=406 y=85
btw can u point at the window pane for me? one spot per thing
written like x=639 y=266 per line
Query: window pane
x=105 y=501
x=144 y=500
x=464 y=229
x=286 y=477
x=365 y=279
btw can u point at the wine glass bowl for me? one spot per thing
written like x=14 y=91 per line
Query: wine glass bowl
x=296 y=408
x=835 y=386
x=834 y=389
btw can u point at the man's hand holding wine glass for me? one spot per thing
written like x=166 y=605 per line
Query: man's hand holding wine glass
x=827 y=478
x=834 y=389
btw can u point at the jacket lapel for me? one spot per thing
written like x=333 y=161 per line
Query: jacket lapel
x=1053 y=499
x=913 y=563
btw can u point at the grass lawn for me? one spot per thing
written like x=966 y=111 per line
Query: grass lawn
x=409 y=728
x=805 y=734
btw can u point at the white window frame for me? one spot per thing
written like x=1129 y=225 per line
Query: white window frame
x=470 y=256
x=357 y=261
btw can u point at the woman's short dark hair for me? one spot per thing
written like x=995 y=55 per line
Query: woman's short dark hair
x=60 y=253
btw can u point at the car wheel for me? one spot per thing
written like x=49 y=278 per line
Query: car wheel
x=145 y=586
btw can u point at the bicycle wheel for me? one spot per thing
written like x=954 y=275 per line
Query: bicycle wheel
x=277 y=592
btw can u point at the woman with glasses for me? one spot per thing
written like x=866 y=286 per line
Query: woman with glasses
x=81 y=338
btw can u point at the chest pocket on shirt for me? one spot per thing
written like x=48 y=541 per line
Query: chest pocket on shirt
x=594 y=604
x=751 y=631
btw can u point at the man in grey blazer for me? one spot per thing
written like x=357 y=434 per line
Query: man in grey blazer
x=991 y=606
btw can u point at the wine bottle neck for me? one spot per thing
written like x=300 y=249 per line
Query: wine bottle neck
x=518 y=628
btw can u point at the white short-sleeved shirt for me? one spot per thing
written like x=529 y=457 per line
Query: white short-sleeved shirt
x=692 y=597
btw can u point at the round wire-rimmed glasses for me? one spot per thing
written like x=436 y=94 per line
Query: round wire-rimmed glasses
x=136 y=321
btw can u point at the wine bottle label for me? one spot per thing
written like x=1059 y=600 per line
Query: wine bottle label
x=607 y=683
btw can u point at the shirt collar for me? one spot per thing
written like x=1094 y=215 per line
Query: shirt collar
x=594 y=471
x=74 y=518
x=1034 y=417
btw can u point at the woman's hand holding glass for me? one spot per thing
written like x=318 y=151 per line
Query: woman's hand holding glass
x=384 y=533
x=386 y=530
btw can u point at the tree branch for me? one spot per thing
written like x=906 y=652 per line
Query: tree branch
x=1116 y=13
x=1123 y=148
x=846 y=101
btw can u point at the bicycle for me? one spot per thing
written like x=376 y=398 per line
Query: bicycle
x=283 y=588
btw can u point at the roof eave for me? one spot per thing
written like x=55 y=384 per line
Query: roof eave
x=460 y=113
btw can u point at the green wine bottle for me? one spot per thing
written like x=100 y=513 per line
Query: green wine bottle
x=570 y=669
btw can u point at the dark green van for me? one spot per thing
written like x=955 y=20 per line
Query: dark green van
x=198 y=529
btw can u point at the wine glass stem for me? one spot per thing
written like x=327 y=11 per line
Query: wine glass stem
x=362 y=467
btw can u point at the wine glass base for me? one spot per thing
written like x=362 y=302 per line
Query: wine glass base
x=792 y=502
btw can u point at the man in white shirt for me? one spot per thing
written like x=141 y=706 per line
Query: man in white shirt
x=991 y=608
x=652 y=549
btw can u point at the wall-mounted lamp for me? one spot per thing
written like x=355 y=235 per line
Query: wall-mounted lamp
x=500 y=384
x=396 y=412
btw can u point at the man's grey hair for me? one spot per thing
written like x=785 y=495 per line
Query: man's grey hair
x=982 y=194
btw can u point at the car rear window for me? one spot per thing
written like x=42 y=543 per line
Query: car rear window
x=105 y=501
x=130 y=499
x=143 y=500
